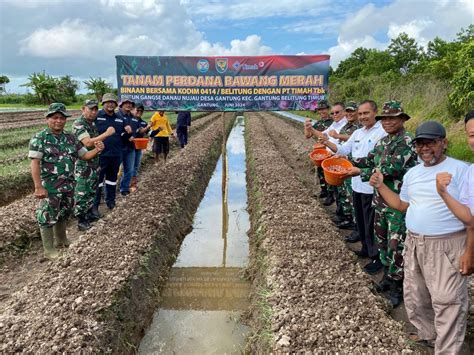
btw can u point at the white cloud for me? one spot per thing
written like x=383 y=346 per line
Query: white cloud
x=420 y=19
x=246 y=9
x=413 y=29
x=76 y=39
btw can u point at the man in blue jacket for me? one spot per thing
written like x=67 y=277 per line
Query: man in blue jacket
x=111 y=157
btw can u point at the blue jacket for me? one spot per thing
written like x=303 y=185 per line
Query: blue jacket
x=184 y=119
x=113 y=144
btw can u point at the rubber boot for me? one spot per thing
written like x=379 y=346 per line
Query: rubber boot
x=60 y=234
x=133 y=184
x=47 y=237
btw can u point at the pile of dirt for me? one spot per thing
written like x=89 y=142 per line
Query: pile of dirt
x=319 y=298
x=101 y=295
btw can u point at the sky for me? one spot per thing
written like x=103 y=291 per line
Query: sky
x=81 y=37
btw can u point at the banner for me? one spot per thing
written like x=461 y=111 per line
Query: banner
x=261 y=83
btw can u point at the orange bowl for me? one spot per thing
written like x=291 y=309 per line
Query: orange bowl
x=140 y=143
x=335 y=169
x=318 y=155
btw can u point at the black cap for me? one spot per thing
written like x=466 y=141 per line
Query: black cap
x=430 y=130
x=469 y=116
x=139 y=106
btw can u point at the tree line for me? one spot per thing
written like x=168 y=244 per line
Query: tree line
x=450 y=63
x=47 y=89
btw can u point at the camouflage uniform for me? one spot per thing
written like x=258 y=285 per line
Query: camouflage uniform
x=394 y=156
x=86 y=172
x=322 y=125
x=57 y=155
x=344 y=192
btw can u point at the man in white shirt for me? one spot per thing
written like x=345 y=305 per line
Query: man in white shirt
x=435 y=292
x=339 y=121
x=361 y=142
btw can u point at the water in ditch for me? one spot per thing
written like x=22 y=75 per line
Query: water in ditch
x=206 y=294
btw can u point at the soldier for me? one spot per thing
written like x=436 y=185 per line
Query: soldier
x=53 y=153
x=321 y=125
x=86 y=172
x=346 y=219
x=393 y=155
x=110 y=159
x=142 y=130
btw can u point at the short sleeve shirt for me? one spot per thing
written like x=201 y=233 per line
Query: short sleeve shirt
x=85 y=129
x=57 y=155
x=427 y=213
x=467 y=189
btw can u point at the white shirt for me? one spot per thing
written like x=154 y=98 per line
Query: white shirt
x=467 y=189
x=427 y=213
x=361 y=142
x=336 y=126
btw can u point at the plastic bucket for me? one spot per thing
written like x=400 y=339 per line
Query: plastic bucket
x=318 y=155
x=140 y=143
x=335 y=169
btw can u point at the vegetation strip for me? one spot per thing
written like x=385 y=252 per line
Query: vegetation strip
x=102 y=294
x=319 y=298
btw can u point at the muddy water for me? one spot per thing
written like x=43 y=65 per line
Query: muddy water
x=205 y=294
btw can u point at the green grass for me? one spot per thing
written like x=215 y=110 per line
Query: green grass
x=10 y=152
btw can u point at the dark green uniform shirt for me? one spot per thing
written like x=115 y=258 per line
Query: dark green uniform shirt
x=57 y=155
x=82 y=128
x=393 y=155
x=322 y=125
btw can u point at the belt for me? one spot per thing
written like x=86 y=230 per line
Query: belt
x=457 y=234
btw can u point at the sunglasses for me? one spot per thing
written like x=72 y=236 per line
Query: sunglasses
x=335 y=112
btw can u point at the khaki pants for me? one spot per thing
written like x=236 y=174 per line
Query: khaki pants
x=435 y=292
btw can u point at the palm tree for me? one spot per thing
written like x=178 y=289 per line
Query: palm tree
x=98 y=87
x=44 y=86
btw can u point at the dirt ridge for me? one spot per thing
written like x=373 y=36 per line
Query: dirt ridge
x=319 y=297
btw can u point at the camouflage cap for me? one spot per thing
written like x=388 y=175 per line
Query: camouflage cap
x=91 y=103
x=322 y=104
x=109 y=97
x=392 y=108
x=122 y=101
x=56 y=107
x=351 y=106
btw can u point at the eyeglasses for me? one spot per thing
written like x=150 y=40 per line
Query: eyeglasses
x=430 y=143
x=335 y=112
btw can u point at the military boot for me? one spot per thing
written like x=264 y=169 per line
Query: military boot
x=47 y=237
x=395 y=295
x=93 y=214
x=60 y=234
x=83 y=223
